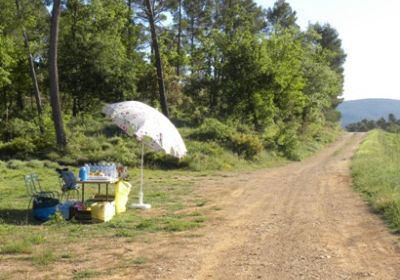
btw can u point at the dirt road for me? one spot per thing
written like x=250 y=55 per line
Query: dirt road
x=300 y=221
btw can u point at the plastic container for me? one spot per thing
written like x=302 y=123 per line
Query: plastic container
x=65 y=209
x=83 y=175
x=87 y=169
x=103 y=211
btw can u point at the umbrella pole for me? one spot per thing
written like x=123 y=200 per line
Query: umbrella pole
x=141 y=176
x=141 y=205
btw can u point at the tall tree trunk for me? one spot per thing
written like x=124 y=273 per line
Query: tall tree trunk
x=129 y=33
x=160 y=77
x=178 y=49
x=53 y=76
x=38 y=99
x=75 y=106
x=192 y=31
x=252 y=110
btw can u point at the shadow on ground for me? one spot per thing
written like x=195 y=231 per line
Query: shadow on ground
x=17 y=217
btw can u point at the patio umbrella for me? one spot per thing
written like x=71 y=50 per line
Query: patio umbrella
x=150 y=127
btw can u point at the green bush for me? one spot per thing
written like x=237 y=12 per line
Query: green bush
x=246 y=145
x=162 y=160
x=106 y=146
x=243 y=144
x=18 y=128
x=34 y=163
x=208 y=156
x=50 y=164
x=288 y=142
x=115 y=140
x=18 y=148
x=15 y=164
x=212 y=130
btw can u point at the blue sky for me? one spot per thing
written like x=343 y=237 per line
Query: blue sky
x=370 y=35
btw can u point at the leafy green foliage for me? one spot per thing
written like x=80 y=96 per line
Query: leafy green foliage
x=271 y=86
x=93 y=60
x=6 y=59
x=281 y=15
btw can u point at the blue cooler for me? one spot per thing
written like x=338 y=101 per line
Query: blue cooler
x=44 y=207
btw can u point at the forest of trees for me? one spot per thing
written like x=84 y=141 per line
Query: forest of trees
x=231 y=60
x=392 y=124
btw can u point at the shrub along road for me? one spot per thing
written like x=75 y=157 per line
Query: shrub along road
x=300 y=221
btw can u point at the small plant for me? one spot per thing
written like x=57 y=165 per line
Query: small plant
x=140 y=260
x=37 y=239
x=56 y=219
x=124 y=233
x=86 y=274
x=201 y=203
x=66 y=256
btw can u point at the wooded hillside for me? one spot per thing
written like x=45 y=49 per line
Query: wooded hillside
x=234 y=61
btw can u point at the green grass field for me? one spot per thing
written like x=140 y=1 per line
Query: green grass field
x=376 y=173
x=169 y=192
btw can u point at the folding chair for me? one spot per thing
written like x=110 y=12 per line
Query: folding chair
x=69 y=186
x=35 y=190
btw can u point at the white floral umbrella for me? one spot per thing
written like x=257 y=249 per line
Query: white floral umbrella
x=150 y=127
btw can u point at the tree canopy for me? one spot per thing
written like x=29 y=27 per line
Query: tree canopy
x=231 y=60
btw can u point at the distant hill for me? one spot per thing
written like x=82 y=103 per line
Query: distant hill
x=371 y=109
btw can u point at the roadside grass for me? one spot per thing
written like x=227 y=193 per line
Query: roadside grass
x=44 y=257
x=376 y=174
x=309 y=145
x=16 y=247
